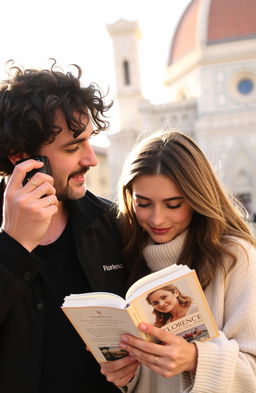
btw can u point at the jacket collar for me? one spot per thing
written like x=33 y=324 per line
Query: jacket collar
x=85 y=210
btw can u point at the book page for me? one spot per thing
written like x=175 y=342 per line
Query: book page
x=180 y=307
x=94 y=299
x=154 y=279
x=101 y=328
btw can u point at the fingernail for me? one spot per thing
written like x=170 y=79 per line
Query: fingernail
x=124 y=338
x=143 y=326
x=122 y=345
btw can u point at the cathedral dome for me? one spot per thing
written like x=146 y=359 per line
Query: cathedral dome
x=208 y=22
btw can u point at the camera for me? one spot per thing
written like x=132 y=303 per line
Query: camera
x=45 y=169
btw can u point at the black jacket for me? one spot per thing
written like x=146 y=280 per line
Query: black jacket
x=21 y=329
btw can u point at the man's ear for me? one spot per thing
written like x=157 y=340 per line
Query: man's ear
x=13 y=158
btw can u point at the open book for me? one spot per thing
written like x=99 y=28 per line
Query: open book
x=171 y=298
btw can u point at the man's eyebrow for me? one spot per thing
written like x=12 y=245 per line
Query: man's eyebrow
x=167 y=199
x=74 y=142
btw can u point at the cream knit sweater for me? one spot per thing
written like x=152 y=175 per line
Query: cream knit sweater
x=226 y=364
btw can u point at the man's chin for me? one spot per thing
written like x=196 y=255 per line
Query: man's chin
x=71 y=195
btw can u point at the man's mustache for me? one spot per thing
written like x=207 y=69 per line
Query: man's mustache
x=82 y=171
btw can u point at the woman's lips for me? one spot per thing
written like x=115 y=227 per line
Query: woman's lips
x=160 y=231
x=164 y=309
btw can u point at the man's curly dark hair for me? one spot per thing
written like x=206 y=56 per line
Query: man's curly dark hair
x=28 y=103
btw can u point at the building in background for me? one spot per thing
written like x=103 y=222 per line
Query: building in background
x=98 y=178
x=211 y=83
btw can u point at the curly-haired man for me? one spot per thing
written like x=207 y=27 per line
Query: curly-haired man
x=56 y=236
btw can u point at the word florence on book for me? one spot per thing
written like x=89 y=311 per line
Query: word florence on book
x=171 y=298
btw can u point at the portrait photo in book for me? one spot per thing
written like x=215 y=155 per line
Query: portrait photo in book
x=175 y=310
x=169 y=304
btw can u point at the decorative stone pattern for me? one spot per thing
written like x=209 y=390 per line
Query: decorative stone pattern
x=205 y=98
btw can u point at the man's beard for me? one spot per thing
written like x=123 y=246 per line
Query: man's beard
x=67 y=193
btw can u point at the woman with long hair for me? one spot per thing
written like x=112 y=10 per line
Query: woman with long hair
x=174 y=210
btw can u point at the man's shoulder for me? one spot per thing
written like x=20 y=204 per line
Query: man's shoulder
x=91 y=206
x=101 y=202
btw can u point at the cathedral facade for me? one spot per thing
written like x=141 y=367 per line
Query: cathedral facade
x=211 y=84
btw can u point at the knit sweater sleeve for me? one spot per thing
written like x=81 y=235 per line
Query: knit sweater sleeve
x=228 y=363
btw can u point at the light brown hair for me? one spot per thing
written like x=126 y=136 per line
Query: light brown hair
x=217 y=219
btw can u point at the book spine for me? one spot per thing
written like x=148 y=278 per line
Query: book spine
x=137 y=320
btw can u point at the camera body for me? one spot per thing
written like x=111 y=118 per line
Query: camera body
x=45 y=169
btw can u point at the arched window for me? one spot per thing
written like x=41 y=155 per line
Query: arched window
x=126 y=69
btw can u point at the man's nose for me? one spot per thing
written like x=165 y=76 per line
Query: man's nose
x=88 y=157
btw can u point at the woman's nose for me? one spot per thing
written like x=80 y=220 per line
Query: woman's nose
x=157 y=217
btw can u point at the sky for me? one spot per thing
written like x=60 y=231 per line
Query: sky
x=74 y=31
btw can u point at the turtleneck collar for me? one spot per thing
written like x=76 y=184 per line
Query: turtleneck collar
x=159 y=256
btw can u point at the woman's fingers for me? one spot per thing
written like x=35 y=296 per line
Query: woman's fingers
x=121 y=371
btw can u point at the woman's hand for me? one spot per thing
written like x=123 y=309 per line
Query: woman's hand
x=120 y=371
x=173 y=356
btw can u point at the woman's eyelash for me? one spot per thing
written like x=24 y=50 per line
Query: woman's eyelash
x=168 y=206
x=142 y=204
x=174 y=207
